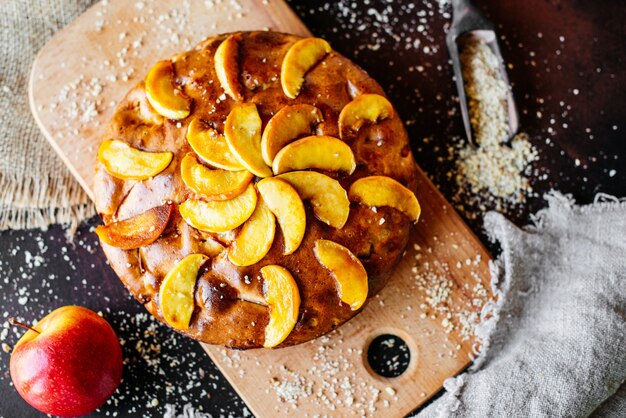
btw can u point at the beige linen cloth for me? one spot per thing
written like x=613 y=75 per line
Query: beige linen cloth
x=555 y=343
x=36 y=189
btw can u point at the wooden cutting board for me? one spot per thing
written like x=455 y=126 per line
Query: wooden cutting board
x=431 y=300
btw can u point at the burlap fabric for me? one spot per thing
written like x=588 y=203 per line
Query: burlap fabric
x=36 y=189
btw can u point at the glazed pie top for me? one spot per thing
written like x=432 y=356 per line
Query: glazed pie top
x=255 y=190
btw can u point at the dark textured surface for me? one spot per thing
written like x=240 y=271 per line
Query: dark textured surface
x=577 y=81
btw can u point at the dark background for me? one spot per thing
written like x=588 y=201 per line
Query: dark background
x=566 y=63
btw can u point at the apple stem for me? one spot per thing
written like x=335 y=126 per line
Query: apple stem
x=13 y=321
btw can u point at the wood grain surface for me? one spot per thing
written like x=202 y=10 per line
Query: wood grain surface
x=76 y=82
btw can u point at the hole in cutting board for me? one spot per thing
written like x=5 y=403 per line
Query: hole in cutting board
x=388 y=355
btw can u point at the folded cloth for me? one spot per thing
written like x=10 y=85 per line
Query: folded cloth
x=554 y=344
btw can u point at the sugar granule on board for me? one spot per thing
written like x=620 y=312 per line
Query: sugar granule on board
x=293 y=388
x=494 y=169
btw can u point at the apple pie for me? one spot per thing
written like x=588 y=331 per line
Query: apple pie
x=256 y=190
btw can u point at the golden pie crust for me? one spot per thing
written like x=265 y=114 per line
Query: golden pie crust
x=229 y=307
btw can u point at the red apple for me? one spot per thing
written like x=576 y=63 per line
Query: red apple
x=69 y=363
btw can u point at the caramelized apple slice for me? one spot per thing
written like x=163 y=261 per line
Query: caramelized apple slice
x=366 y=108
x=347 y=270
x=213 y=184
x=164 y=95
x=243 y=136
x=319 y=152
x=211 y=147
x=227 y=67
x=385 y=191
x=255 y=237
x=176 y=295
x=283 y=298
x=288 y=124
x=300 y=58
x=128 y=163
x=137 y=231
x=286 y=205
x=329 y=200
x=219 y=216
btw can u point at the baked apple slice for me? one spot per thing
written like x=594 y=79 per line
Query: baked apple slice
x=283 y=298
x=227 y=66
x=176 y=295
x=347 y=270
x=366 y=108
x=385 y=191
x=243 y=136
x=137 y=231
x=288 y=124
x=165 y=96
x=213 y=184
x=286 y=205
x=300 y=58
x=255 y=237
x=318 y=152
x=211 y=147
x=328 y=199
x=127 y=163
x=219 y=216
